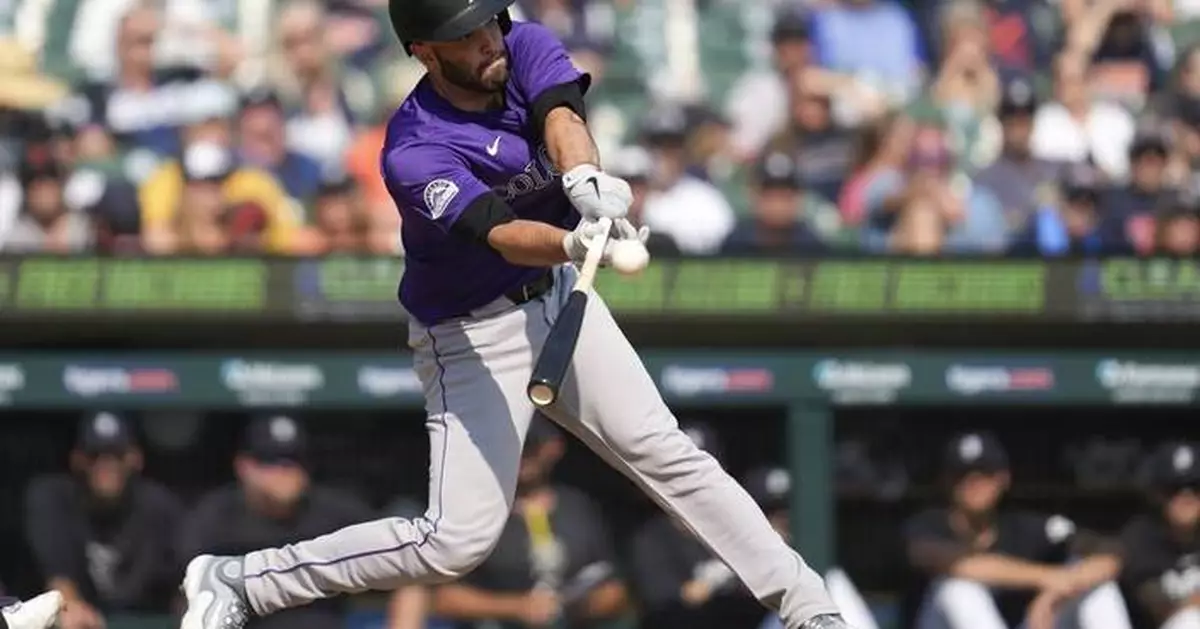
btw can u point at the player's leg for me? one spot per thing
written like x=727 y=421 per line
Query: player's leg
x=611 y=403
x=1103 y=607
x=474 y=377
x=959 y=604
x=39 y=612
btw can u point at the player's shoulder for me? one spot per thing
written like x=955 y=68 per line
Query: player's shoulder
x=220 y=499
x=51 y=486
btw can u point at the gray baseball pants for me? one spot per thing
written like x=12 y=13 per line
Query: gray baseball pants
x=474 y=373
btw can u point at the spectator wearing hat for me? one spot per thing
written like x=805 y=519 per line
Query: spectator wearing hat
x=1067 y=219
x=679 y=584
x=102 y=535
x=688 y=209
x=254 y=191
x=928 y=208
x=45 y=224
x=979 y=565
x=262 y=143
x=1177 y=229
x=1162 y=544
x=1016 y=175
x=274 y=503
x=554 y=565
x=1076 y=126
x=757 y=102
x=785 y=216
x=1129 y=210
x=771 y=489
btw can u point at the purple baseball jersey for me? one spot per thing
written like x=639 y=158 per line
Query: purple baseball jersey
x=437 y=159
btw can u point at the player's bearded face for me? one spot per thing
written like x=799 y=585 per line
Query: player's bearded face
x=478 y=62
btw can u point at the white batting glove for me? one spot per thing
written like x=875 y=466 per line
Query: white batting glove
x=576 y=242
x=597 y=194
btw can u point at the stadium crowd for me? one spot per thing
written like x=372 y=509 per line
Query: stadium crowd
x=1024 y=127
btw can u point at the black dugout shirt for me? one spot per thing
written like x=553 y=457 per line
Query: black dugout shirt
x=1020 y=534
x=1153 y=556
x=666 y=557
x=120 y=556
x=573 y=554
x=222 y=524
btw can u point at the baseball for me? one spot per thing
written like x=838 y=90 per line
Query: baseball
x=629 y=257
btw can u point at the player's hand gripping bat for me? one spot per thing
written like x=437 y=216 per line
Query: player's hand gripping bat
x=552 y=363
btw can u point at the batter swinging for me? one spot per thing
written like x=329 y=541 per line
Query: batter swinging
x=497 y=178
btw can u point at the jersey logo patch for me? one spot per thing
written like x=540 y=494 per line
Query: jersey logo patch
x=438 y=195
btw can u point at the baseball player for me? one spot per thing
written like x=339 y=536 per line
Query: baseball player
x=499 y=184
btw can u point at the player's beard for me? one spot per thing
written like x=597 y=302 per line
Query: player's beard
x=476 y=79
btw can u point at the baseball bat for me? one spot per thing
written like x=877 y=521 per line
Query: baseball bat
x=552 y=363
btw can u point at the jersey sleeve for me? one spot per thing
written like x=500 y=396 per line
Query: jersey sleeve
x=432 y=182
x=540 y=62
x=1052 y=536
x=1145 y=559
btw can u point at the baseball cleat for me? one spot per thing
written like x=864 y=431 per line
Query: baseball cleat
x=825 y=621
x=216 y=594
x=39 y=612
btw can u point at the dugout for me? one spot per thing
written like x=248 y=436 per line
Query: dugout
x=852 y=371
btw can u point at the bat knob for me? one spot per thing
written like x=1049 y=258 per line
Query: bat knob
x=541 y=394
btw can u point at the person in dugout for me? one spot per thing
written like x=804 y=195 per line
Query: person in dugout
x=980 y=565
x=273 y=503
x=554 y=565
x=681 y=585
x=1162 y=545
x=101 y=535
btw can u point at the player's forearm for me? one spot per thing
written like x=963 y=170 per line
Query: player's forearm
x=529 y=243
x=568 y=140
x=463 y=602
x=1001 y=571
x=1093 y=571
x=606 y=601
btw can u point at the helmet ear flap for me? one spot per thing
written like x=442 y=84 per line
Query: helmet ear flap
x=505 y=21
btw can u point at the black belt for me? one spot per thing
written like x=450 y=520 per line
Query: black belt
x=532 y=290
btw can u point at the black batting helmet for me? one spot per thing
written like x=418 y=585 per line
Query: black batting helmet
x=444 y=20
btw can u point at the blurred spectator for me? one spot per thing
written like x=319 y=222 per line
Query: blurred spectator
x=823 y=150
x=1016 y=175
x=144 y=106
x=1067 y=221
x=553 y=565
x=587 y=28
x=274 y=503
x=680 y=584
x=771 y=487
x=635 y=165
x=101 y=535
x=1129 y=54
x=882 y=147
x=1077 y=127
x=1162 y=544
x=979 y=565
x=342 y=223
x=1128 y=211
x=1182 y=94
x=206 y=169
x=966 y=89
x=893 y=63
x=323 y=99
x=689 y=210
x=45 y=224
x=927 y=207
x=1177 y=230
x=787 y=218
x=262 y=142
x=757 y=104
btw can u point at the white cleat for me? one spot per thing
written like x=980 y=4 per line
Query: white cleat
x=39 y=612
x=216 y=594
